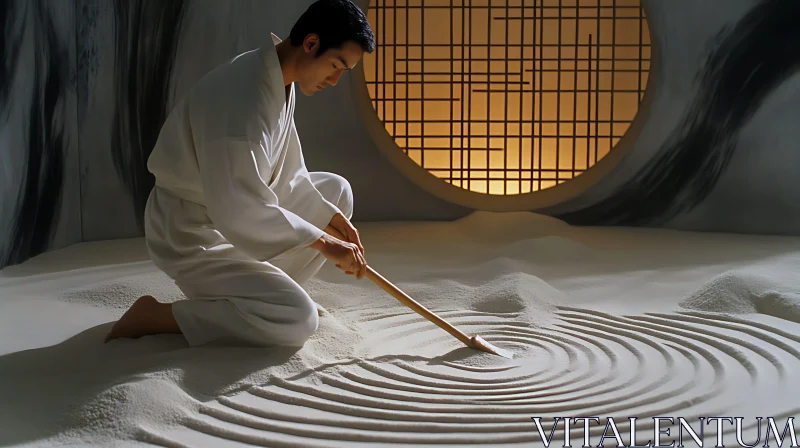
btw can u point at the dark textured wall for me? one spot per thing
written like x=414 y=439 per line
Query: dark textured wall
x=86 y=84
x=729 y=161
x=39 y=181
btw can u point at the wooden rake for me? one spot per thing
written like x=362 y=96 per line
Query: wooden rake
x=475 y=342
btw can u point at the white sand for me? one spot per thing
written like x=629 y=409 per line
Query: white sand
x=604 y=322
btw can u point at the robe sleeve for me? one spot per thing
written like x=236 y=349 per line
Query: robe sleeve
x=309 y=202
x=243 y=207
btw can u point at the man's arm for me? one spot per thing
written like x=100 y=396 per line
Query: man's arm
x=243 y=207
x=308 y=201
x=318 y=210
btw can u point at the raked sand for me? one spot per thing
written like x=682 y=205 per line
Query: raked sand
x=603 y=322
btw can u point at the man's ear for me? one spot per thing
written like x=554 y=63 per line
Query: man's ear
x=311 y=43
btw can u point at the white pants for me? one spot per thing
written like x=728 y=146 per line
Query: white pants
x=233 y=298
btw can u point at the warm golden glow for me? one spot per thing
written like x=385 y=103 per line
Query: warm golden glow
x=507 y=96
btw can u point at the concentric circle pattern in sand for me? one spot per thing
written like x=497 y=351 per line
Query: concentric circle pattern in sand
x=587 y=363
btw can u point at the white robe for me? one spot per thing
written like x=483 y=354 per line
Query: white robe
x=234 y=208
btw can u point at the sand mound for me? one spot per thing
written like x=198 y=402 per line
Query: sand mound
x=120 y=293
x=750 y=291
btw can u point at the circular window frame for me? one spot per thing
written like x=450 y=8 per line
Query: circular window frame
x=547 y=197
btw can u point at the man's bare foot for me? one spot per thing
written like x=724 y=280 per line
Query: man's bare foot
x=146 y=316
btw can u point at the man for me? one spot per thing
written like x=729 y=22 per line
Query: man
x=235 y=218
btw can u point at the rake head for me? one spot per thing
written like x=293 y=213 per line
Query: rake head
x=481 y=344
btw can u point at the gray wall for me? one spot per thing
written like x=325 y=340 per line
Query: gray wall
x=87 y=84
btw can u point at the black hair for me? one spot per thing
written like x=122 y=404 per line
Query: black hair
x=335 y=22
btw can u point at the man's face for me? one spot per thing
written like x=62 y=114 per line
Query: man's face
x=317 y=73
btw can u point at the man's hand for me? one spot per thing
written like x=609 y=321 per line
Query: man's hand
x=343 y=225
x=345 y=255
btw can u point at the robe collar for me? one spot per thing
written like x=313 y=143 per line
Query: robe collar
x=274 y=76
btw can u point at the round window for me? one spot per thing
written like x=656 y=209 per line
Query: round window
x=504 y=104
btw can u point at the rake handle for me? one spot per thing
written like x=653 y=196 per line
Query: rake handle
x=398 y=294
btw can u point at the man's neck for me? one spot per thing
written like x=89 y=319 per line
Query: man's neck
x=287 y=56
